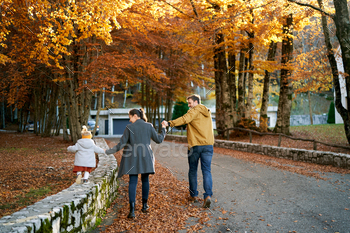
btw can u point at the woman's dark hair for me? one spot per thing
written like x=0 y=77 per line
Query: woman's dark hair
x=139 y=112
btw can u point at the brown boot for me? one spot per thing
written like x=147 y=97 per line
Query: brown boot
x=193 y=199
x=207 y=202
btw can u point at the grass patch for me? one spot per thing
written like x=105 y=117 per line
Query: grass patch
x=97 y=223
x=29 y=198
x=331 y=133
x=14 y=149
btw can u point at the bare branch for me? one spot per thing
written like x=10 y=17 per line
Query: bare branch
x=214 y=5
x=178 y=9
x=313 y=7
x=194 y=8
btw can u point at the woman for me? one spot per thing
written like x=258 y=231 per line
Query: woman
x=137 y=156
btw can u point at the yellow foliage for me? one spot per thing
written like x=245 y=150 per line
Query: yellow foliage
x=211 y=95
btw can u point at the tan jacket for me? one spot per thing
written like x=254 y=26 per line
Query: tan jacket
x=199 y=126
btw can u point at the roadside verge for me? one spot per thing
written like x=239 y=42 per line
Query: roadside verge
x=310 y=156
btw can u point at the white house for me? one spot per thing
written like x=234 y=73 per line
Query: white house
x=338 y=119
x=112 y=122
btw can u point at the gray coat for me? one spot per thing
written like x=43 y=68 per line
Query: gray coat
x=138 y=156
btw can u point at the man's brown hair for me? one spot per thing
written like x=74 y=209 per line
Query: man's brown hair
x=195 y=97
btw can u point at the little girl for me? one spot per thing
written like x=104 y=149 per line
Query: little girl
x=85 y=150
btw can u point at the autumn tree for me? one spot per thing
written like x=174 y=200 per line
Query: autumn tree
x=342 y=24
x=265 y=94
x=285 y=100
x=59 y=36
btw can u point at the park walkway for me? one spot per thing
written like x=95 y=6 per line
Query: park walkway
x=250 y=197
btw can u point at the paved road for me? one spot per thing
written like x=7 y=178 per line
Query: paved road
x=256 y=198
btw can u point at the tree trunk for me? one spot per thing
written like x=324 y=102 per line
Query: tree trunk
x=342 y=23
x=63 y=115
x=159 y=104
x=285 y=100
x=36 y=109
x=154 y=107
x=77 y=119
x=3 y=115
x=51 y=113
x=344 y=113
x=147 y=100
x=241 y=85
x=73 y=112
x=221 y=86
x=143 y=94
x=150 y=106
x=20 y=124
x=232 y=87
x=169 y=104
x=266 y=91
x=310 y=108
x=43 y=107
x=250 y=81
x=99 y=99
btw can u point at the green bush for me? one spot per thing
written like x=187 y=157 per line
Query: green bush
x=180 y=109
x=331 y=114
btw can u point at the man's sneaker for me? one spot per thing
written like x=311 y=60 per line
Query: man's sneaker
x=78 y=180
x=193 y=199
x=85 y=181
x=207 y=202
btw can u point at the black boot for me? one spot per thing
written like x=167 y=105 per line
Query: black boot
x=144 y=206
x=132 y=210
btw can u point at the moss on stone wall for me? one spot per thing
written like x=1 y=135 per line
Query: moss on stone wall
x=65 y=217
x=46 y=227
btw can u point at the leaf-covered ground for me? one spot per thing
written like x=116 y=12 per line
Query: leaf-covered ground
x=169 y=207
x=31 y=168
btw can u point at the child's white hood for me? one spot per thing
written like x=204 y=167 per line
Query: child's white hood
x=86 y=143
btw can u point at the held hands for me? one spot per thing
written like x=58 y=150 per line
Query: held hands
x=165 y=124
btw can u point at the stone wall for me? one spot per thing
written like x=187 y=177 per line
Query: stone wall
x=311 y=156
x=72 y=210
x=305 y=119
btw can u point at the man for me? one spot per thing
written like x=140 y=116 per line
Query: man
x=200 y=139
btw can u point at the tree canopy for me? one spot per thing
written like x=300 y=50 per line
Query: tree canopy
x=64 y=53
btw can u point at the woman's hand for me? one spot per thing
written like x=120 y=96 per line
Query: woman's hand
x=164 y=124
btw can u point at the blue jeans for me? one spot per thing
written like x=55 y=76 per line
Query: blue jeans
x=205 y=154
x=133 y=184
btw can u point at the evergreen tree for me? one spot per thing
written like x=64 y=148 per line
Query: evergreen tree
x=180 y=109
x=331 y=114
